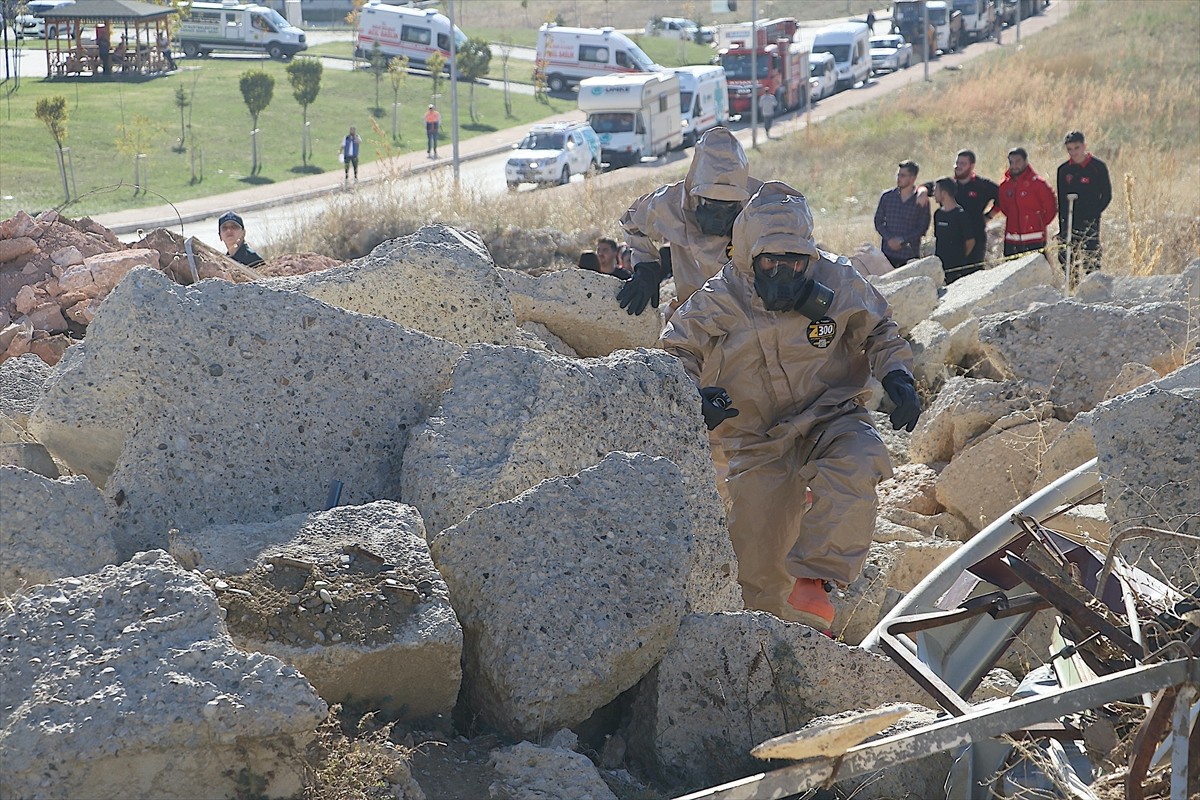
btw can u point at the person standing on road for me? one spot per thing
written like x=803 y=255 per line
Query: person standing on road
x=781 y=343
x=977 y=196
x=953 y=231
x=871 y=21
x=233 y=236
x=1027 y=203
x=350 y=146
x=433 y=121
x=1084 y=175
x=767 y=106
x=900 y=219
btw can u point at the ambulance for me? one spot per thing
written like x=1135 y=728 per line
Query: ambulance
x=402 y=31
x=703 y=100
x=238 y=28
x=634 y=115
x=565 y=56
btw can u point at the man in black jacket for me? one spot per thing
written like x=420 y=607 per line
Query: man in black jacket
x=1086 y=177
x=977 y=196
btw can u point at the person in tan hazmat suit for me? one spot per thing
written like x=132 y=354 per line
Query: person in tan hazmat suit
x=693 y=218
x=787 y=335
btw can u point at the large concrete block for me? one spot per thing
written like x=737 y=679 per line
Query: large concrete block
x=515 y=417
x=566 y=597
x=124 y=683
x=930 y=344
x=731 y=681
x=965 y=408
x=1074 y=352
x=529 y=772
x=929 y=267
x=1134 y=290
x=911 y=300
x=235 y=403
x=22 y=381
x=50 y=529
x=18 y=448
x=580 y=307
x=989 y=286
x=384 y=638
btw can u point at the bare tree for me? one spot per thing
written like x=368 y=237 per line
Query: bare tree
x=52 y=111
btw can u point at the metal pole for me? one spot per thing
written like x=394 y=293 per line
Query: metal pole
x=1071 y=198
x=1020 y=8
x=453 y=95
x=925 y=34
x=754 y=73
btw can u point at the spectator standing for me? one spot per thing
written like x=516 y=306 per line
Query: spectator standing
x=233 y=236
x=1027 y=203
x=164 y=47
x=350 y=146
x=900 y=220
x=1084 y=175
x=433 y=121
x=953 y=231
x=767 y=106
x=871 y=21
x=104 y=43
x=977 y=196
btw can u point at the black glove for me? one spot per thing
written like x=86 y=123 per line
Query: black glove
x=716 y=405
x=642 y=288
x=899 y=387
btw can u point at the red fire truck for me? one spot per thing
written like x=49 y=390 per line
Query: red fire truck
x=782 y=65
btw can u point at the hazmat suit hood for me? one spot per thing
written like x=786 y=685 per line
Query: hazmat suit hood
x=719 y=169
x=776 y=220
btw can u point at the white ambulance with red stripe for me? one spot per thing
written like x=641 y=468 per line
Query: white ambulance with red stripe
x=402 y=31
x=565 y=56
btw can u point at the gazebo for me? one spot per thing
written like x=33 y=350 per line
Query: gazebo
x=124 y=38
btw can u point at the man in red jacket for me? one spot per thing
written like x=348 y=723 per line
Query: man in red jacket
x=1027 y=203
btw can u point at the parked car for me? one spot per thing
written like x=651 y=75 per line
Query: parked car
x=552 y=152
x=679 y=28
x=32 y=25
x=890 y=53
x=822 y=71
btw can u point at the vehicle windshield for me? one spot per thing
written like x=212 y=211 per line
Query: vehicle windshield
x=906 y=12
x=277 y=21
x=937 y=16
x=611 y=122
x=543 y=141
x=685 y=102
x=641 y=60
x=840 y=52
x=886 y=42
x=737 y=66
x=460 y=38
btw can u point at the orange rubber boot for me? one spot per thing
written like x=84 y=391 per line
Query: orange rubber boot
x=812 y=602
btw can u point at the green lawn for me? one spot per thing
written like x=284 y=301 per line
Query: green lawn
x=111 y=121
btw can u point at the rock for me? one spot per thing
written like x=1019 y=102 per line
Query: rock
x=551 y=342
x=1131 y=376
x=398 y=645
x=580 y=307
x=928 y=267
x=1148 y=446
x=964 y=349
x=942 y=525
x=1134 y=290
x=296 y=264
x=1087 y=522
x=1020 y=300
x=1057 y=349
x=515 y=417
x=67 y=256
x=911 y=300
x=99 y=274
x=912 y=488
x=235 y=403
x=995 y=473
x=566 y=598
x=1073 y=446
x=529 y=772
x=50 y=348
x=15 y=339
x=19 y=449
x=22 y=382
x=439 y=280
x=142 y=693
x=989 y=286
x=51 y=529
x=84 y=312
x=1186 y=376
x=730 y=681
x=47 y=316
x=172 y=258
x=965 y=408
x=930 y=344
x=12 y=249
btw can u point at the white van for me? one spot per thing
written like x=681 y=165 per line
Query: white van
x=822 y=71
x=634 y=115
x=850 y=45
x=401 y=31
x=703 y=100
x=239 y=28
x=565 y=56
x=31 y=23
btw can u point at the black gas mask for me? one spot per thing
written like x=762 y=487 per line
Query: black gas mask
x=783 y=287
x=715 y=217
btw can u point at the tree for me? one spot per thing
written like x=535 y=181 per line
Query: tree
x=379 y=64
x=305 y=76
x=398 y=74
x=52 y=111
x=436 y=63
x=135 y=141
x=257 y=89
x=474 y=58
x=181 y=102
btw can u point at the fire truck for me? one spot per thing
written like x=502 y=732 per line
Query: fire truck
x=782 y=65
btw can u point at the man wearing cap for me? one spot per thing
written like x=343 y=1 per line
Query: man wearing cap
x=233 y=235
x=782 y=342
x=433 y=121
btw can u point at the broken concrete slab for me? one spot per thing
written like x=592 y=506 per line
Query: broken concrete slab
x=966 y=408
x=22 y=381
x=383 y=637
x=567 y=599
x=18 y=448
x=530 y=772
x=912 y=300
x=580 y=307
x=730 y=681
x=514 y=417
x=50 y=529
x=929 y=267
x=930 y=344
x=988 y=285
x=1132 y=290
x=124 y=683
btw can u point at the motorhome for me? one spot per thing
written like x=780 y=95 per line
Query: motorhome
x=850 y=45
x=634 y=115
x=703 y=100
x=566 y=56
x=402 y=31
x=239 y=28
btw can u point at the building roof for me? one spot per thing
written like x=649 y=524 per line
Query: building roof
x=101 y=10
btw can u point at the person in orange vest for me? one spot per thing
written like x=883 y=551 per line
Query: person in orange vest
x=433 y=121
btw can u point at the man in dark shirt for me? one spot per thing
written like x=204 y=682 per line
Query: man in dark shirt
x=899 y=219
x=233 y=236
x=976 y=195
x=1086 y=177
x=953 y=231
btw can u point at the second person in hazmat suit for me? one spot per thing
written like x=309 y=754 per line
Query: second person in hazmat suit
x=785 y=337
x=693 y=217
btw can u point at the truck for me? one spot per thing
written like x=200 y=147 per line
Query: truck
x=979 y=19
x=1012 y=9
x=634 y=115
x=238 y=28
x=565 y=56
x=907 y=20
x=781 y=64
x=703 y=100
x=403 y=31
x=948 y=23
